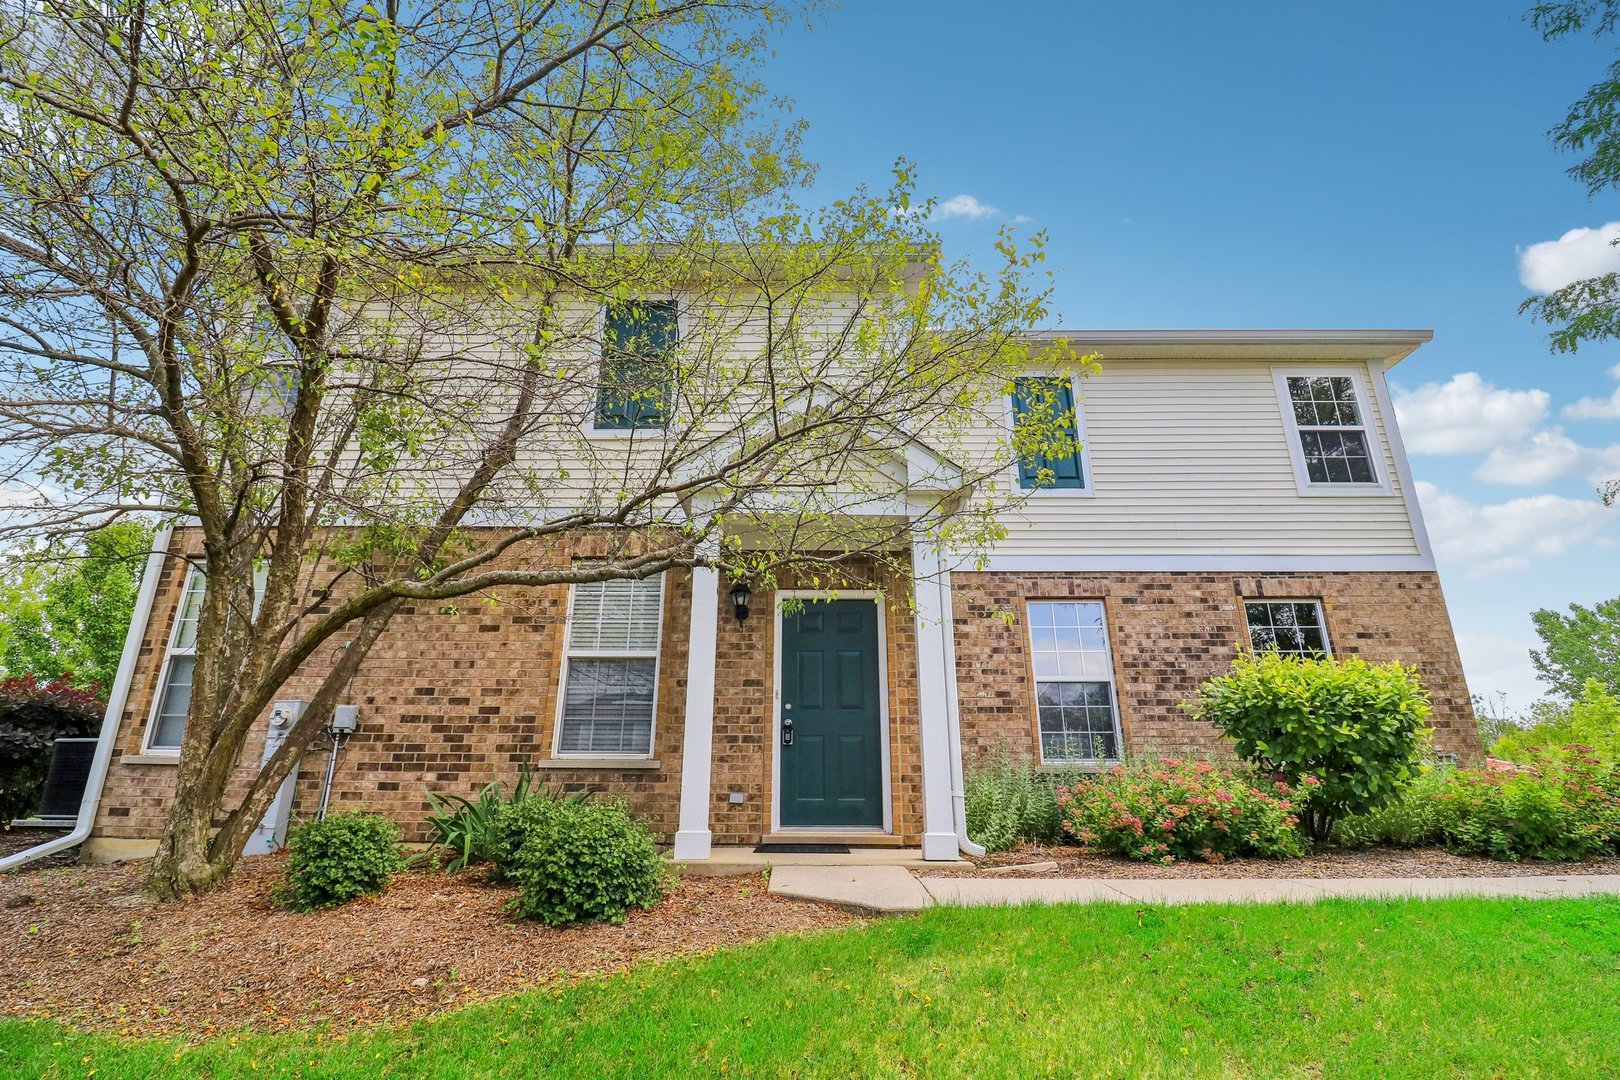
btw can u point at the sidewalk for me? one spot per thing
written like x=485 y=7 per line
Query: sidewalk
x=893 y=890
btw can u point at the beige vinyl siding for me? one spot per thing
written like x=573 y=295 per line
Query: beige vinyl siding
x=1191 y=458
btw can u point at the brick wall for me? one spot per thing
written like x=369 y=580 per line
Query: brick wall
x=1170 y=631
x=449 y=700
x=452 y=700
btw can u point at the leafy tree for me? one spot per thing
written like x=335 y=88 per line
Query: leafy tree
x=64 y=613
x=349 y=286
x=1587 y=310
x=1591 y=720
x=1583 y=645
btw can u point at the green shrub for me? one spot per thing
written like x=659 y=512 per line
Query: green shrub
x=516 y=822
x=340 y=857
x=463 y=828
x=1010 y=801
x=1565 y=807
x=1357 y=728
x=1411 y=819
x=586 y=861
x=1591 y=720
x=1175 y=809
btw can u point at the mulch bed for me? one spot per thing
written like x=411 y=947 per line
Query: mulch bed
x=85 y=945
x=15 y=840
x=1328 y=863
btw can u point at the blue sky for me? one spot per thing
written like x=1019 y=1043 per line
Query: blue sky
x=1284 y=164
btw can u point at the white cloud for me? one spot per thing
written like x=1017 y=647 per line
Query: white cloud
x=1501 y=537
x=1578 y=254
x=1466 y=414
x=1546 y=456
x=965 y=207
x=1498 y=664
x=1597 y=408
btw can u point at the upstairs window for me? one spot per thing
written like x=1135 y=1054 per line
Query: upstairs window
x=1074 y=682
x=610 y=672
x=1330 y=424
x=1058 y=464
x=1293 y=627
x=636 y=385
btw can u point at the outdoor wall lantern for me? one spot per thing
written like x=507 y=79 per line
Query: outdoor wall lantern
x=740 y=595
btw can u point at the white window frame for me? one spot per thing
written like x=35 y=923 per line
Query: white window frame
x=1369 y=430
x=1010 y=417
x=170 y=651
x=1314 y=601
x=1036 y=679
x=261 y=573
x=625 y=434
x=568 y=655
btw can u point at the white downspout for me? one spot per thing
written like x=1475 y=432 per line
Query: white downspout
x=953 y=719
x=115 y=711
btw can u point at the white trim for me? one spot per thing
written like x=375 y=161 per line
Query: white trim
x=1355 y=372
x=1316 y=601
x=1088 y=479
x=883 y=704
x=169 y=653
x=939 y=743
x=568 y=654
x=114 y=715
x=693 y=838
x=1035 y=681
x=1403 y=467
x=1249 y=564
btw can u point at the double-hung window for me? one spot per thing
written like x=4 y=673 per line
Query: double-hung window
x=636 y=385
x=610 y=672
x=1074 y=681
x=1329 y=421
x=1294 y=627
x=1044 y=413
x=167 y=726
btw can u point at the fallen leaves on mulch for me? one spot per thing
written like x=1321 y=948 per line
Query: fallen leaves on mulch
x=85 y=945
x=15 y=839
x=1327 y=863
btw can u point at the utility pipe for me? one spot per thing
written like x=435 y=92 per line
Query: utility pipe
x=115 y=711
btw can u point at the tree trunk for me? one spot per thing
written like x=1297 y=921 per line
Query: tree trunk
x=185 y=863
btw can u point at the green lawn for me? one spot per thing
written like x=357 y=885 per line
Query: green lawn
x=1338 y=988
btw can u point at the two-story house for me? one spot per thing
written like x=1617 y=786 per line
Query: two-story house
x=1231 y=488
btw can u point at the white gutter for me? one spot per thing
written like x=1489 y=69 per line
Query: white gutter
x=115 y=711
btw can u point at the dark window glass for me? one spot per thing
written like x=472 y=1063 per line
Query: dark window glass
x=1054 y=397
x=1289 y=626
x=637 y=385
x=1331 y=432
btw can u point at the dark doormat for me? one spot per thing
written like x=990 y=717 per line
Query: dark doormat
x=802 y=849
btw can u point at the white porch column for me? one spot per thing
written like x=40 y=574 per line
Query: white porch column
x=693 y=839
x=936 y=684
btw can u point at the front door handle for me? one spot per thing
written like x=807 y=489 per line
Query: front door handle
x=787 y=731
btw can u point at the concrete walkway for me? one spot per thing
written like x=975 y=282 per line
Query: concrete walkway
x=893 y=890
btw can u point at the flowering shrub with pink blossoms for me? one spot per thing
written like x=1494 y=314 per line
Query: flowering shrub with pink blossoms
x=1173 y=809
x=1562 y=805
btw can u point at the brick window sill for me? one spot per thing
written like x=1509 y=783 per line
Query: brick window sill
x=149 y=759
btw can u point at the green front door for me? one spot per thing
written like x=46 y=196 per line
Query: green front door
x=830 y=729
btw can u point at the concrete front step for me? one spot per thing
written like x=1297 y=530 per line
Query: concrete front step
x=731 y=861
